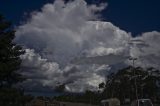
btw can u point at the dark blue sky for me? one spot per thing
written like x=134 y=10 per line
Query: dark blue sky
x=136 y=16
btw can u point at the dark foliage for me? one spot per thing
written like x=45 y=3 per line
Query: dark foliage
x=128 y=82
x=9 y=65
x=121 y=85
x=88 y=97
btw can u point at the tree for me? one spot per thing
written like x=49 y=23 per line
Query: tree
x=10 y=62
x=126 y=82
x=101 y=85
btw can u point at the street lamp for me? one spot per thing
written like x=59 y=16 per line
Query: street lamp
x=135 y=82
x=136 y=42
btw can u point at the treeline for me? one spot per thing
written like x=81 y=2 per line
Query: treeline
x=89 y=97
x=133 y=83
x=129 y=83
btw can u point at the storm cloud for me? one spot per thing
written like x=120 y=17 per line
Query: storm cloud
x=68 y=43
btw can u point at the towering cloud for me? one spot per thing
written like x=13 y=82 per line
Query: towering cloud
x=67 y=43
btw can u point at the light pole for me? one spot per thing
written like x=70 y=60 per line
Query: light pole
x=135 y=81
x=134 y=43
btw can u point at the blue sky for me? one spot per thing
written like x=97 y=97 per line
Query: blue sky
x=135 y=16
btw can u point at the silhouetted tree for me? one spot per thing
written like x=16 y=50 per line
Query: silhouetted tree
x=9 y=65
x=102 y=85
x=125 y=82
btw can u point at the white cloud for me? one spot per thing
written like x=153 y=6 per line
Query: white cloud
x=148 y=54
x=41 y=73
x=62 y=34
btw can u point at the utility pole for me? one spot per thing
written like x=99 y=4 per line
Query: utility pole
x=135 y=81
x=134 y=43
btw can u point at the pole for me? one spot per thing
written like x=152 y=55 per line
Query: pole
x=135 y=81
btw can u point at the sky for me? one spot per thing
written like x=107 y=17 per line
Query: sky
x=79 y=43
x=135 y=16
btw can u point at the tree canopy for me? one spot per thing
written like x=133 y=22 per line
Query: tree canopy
x=10 y=62
x=128 y=82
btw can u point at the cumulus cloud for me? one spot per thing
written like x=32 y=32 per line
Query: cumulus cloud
x=44 y=74
x=147 y=50
x=67 y=43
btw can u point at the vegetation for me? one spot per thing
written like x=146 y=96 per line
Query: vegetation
x=133 y=83
x=9 y=66
x=122 y=85
x=88 y=97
